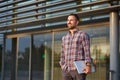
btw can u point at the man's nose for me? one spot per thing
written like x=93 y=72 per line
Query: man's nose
x=68 y=22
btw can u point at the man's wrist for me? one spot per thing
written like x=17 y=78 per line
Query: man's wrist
x=88 y=64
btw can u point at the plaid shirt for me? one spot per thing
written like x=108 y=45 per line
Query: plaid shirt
x=74 y=48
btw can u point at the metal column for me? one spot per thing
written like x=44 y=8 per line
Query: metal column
x=14 y=60
x=114 y=46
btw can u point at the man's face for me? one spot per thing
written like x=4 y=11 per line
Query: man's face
x=72 y=22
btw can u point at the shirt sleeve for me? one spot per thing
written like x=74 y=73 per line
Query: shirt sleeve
x=62 y=56
x=86 y=47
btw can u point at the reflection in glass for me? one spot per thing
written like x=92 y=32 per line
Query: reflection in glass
x=41 y=57
x=99 y=47
x=8 y=57
x=23 y=58
x=57 y=51
x=43 y=61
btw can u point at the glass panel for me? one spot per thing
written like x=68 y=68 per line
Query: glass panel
x=8 y=58
x=41 y=57
x=23 y=58
x=99 y=40
x=57 y=51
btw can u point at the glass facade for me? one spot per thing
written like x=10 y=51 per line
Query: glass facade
x=99 y=52
x=46 y=49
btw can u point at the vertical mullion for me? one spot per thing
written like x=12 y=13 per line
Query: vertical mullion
x=30 y=58
x=52 y=69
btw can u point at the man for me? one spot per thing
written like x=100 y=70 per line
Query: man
x=75 y=47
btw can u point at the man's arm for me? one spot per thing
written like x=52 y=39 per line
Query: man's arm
x=62 y=56
x=86 y=47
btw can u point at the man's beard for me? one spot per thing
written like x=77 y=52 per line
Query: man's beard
x=72 y=27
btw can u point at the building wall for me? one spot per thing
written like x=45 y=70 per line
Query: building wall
x=38 y=29
x=46 y=54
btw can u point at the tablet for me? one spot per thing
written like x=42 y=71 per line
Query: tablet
x=80 y=66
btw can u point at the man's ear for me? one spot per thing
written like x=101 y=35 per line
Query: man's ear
x=77 y=22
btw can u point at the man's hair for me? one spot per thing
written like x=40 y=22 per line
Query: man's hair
x=75 y=15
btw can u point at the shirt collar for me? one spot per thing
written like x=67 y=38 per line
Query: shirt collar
x=76 y=30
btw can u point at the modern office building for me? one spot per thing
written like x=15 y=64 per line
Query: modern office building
x=31 y=32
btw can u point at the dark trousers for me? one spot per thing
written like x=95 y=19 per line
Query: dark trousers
x=73 y=75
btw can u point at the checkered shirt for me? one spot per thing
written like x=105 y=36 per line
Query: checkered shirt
x=74 y=47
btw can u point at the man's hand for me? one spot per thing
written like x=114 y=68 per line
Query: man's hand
x=87 y=69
